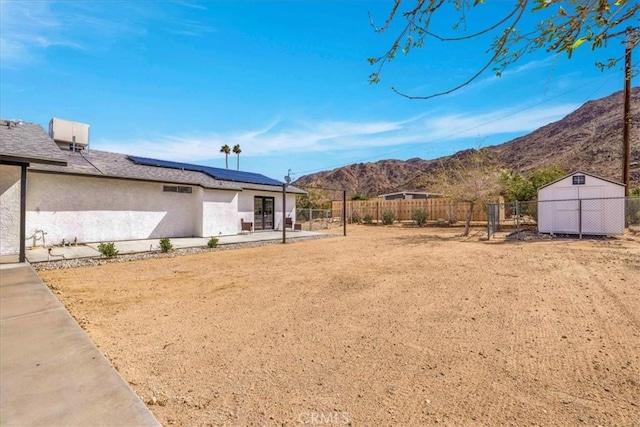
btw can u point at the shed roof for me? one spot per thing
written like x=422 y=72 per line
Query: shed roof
x=582 y=173
x=28 y=143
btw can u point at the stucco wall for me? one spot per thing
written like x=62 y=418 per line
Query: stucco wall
x=98 y=209
x=9 y=210
x=220 y=213
x=245 y=206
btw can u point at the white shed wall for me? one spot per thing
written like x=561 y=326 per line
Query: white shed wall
x=595 y=207
x=9 y=210
x=98 y=209
x=220 y=213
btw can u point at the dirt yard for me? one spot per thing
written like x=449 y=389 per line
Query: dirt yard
x=384 y=327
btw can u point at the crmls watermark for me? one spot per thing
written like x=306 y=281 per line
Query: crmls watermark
x=319 y=418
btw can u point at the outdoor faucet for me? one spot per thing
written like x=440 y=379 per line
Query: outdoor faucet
x=35 y=237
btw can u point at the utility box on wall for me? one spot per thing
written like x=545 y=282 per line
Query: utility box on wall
x=581 y=203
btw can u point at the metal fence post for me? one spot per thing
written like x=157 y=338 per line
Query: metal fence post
x=284 y=213
x=518 y=218
x=344 y=212
x=580 y=219
x=488 y=221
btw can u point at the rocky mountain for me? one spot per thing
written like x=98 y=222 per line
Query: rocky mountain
x=589 y=139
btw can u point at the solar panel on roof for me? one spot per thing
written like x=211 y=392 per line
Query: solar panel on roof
x=217 y=173
x=239 y=176
x=164 y=163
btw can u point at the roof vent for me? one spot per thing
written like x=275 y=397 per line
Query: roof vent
x=65 y=133
x=10 y=123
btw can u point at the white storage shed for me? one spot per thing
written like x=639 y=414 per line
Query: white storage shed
x=581 y=203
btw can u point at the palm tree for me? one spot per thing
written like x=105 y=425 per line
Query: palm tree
x=226 y=150
x=237 y=150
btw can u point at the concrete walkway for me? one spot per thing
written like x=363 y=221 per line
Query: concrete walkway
x=51 y=374
x=90 y=250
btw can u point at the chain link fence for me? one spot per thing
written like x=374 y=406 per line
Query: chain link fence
x=598 y=217
x=317 y=219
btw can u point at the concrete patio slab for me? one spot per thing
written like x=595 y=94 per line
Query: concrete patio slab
x=58 y=253
x=51 y=374
x=89 y=250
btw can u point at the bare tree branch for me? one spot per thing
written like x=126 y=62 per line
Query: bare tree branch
x=566 y=25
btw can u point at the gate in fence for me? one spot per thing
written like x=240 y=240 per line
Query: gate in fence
x=493 y=218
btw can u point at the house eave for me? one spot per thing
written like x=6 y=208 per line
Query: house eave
x=10 y=158
x=89 y=175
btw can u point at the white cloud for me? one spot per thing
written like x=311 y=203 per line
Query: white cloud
x=280 y=137
x=29 y=28
x=191 y=29
x=26 y=29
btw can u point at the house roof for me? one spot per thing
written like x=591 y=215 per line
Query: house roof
x=581 y=173
x=404 y=193
x=217 y=173
x=27 y=143
x=115 y=165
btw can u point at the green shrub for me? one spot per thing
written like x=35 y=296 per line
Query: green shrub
x=108 y=249
x=419 y=216
x=388 y=217
x=359 y=196
x=165 y=245
x=368 y=219
x=213 y=242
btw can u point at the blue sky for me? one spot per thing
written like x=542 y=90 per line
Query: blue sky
x=286 y=80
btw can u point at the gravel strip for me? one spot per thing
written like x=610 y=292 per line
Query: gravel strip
x=84 y=262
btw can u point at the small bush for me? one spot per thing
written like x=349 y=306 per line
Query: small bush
x=388 y=217
x=355 y=217
x=368 y=219
x=165 y=245
x=419 y=216
x=108 y=249
x=213 y=242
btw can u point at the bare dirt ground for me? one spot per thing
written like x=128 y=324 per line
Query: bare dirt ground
x=387 y=326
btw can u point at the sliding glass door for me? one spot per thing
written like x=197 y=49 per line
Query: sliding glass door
x=263 y=213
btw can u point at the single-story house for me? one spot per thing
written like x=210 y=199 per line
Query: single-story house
x=54 y=190
x=409 y=195
x=582 y=203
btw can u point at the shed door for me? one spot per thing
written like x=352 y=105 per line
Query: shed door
x=566 y=218
x=592 y=210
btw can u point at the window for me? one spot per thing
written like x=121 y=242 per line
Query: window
x=176 y=189
x=578 y=180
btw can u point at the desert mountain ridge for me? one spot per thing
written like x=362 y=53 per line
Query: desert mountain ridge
x=588 y=139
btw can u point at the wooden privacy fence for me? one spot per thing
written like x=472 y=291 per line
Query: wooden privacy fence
x=436 y=209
